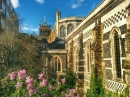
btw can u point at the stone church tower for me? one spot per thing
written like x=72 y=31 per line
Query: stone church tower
x=44 y=30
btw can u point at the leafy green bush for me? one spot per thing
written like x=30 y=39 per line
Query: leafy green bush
x=70 y=78
x=96 y=86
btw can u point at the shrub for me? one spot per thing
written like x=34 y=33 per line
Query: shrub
x=22 y=85
x=96 y=86
x=70 y=78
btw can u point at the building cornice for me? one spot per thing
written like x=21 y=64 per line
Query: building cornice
x=92 y=15
x=71 y=18
x=57 y=51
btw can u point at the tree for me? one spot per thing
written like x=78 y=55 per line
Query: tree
x=21 y=51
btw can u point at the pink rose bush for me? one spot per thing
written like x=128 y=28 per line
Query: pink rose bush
x=26 y=86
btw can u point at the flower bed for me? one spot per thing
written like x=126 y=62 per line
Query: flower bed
x=22 y=85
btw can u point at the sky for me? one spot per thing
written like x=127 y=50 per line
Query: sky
x=33 y=11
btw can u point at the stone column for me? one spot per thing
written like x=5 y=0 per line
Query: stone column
x=97 y=47
x=58 y=17
x=127 y=49
x=81 y=61
x=80 y=73
x=71 y=55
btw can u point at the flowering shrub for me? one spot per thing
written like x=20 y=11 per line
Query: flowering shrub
x=26 y=86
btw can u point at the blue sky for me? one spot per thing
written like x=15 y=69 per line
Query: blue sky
x=34 y=11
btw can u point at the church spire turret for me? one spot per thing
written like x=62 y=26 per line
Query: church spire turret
x=44 y=20
x=58 y=17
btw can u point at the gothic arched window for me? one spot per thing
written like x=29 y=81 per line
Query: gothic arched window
x=56 y=64
x=62 y=31
x=117 y=54
x=70 y=27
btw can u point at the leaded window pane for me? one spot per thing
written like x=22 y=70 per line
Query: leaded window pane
x=117 y=55
x=56 y=65
x=62 y=31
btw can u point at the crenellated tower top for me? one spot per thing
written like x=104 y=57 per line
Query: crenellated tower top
x=44 y=29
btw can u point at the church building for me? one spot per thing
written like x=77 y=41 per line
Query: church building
x=101 y=39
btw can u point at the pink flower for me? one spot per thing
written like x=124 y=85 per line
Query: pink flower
x=31 y=91
x=29 y=80
x=29 y=86
x=51 y=88
x=19 y=84
x=43 y=83
x=77 y=95
x=63 y=80
x=40 y=76
x=12 y=76
x=21 y=74
x=68 y=95
x=59 y=83
x=44 y=95
x=72 y=91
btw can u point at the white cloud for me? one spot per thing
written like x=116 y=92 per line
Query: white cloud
x=24 y=28
x=34 y=29
x=15 y=3
x=27 y=27
x=40 y=1
x=76 y=3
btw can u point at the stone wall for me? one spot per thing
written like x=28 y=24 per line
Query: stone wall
x=113 y=16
